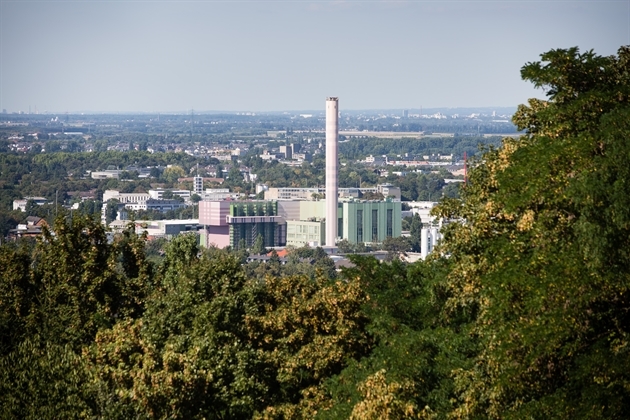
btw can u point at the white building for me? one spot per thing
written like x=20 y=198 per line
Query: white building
x=125 y=198
x=429 y=238
x=159 y=228
x=216 y=194
x=106 y=174
x=159 y=194
x=21 y=204
x=198 y=185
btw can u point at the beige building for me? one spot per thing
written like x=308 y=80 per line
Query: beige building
x=106 y=174
x=301 y=233
x=125 y=198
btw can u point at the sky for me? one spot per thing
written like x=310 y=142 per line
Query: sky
x=261 y=56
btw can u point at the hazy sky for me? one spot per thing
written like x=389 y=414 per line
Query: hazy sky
x=160 y=56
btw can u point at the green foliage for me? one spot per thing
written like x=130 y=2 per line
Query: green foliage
x=17 y=291
x=189 y=356
x=415 y=233
x=259 y=245
x=306 y=330
x=42 y=380
x=421 y=187
x=396 y=247
x=111 y=211
x=543 y=254
x=418 y=346
x=55 y=297
x=91 y=208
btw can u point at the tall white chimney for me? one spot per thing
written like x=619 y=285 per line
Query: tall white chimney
x=332 y=134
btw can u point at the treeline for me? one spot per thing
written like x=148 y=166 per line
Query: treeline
x=59 y=177
x=36 y=170
x=354 y=149
x=457 y=126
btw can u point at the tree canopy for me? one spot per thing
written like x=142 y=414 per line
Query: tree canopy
x=543 y=256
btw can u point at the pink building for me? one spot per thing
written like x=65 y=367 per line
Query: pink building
x=213 y=216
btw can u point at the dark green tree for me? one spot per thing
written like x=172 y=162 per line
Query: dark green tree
x=111 y=210
x=415 y=233
x=543 y=252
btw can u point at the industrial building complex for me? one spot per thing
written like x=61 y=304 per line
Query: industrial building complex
x=287 y=216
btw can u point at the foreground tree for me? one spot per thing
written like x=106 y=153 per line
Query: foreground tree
x=56 y=296
x=543 y=256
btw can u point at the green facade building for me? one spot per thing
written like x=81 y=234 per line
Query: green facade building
x=370 y=221
x=248 y=219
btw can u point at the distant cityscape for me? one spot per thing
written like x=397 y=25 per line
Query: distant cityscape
x=225 y=194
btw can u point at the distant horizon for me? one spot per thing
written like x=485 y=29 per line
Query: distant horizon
x=272 y=56
x=293 y=111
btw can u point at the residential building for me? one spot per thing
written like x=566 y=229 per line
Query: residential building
x=21 y=204
x=32 y=228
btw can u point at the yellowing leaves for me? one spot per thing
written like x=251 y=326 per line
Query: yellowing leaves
x=526 y=222
x=383 y=400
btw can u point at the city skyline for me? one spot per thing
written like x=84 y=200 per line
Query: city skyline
x=266 y=56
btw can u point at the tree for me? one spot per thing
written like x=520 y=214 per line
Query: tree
x=415 y=233
x=234 y=175
x=259 y=245
x=306 y=330
x=56 y=297
x=395 y=247
x=417 y=344
x=345 y=247
x=190 y=355
x=155 y=172
x=111 y=210
x=542 y=258
x=172 y=173
x=91 y=208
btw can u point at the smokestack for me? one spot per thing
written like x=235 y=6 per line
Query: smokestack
x=332 y=134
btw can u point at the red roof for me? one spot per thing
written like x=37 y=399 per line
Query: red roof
x=281 y=253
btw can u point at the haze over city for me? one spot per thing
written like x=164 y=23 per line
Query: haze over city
x=154 y=56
